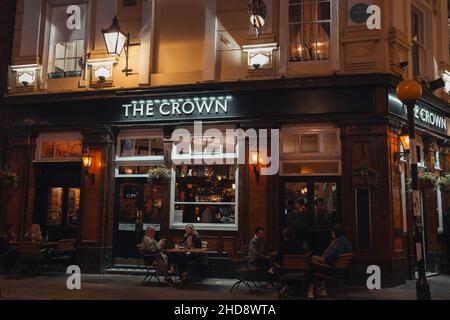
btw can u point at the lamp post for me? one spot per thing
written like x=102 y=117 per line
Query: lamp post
x=409 y=91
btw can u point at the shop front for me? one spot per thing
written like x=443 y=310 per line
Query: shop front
x=171 y=156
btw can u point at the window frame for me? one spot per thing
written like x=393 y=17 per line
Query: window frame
x=46 y=51
x=120 y=161
x=63 y=136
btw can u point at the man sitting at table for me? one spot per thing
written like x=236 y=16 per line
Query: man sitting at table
x=187 y=262
x=257 y=251
x=150 y=246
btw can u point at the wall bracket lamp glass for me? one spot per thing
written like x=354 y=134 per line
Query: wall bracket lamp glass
x=87 y=160
x=260 y=56
x=257 y=11
x=117 y=41
x=255 y=161
x=404 y=140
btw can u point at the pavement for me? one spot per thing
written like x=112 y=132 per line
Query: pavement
x=126 y=287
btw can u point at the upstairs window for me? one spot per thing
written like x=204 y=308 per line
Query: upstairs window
x=418 y=39
x=309 y=30
x=66 y=43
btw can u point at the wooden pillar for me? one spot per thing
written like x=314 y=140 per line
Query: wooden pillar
x=97 y=194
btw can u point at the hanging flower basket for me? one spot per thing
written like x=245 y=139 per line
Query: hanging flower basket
x=444 y=183
x=159 y=175
x=9 y=178
x=365 y=178
x=428 y=180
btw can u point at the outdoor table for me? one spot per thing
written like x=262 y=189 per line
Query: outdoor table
x=186 y=250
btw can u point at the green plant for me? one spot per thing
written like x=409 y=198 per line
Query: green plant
x=444 y=183
x=9 y=177
x=161 y=173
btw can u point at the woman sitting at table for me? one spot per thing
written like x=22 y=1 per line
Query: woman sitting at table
x=191 y=240
x=150 y=246
x=34 y=235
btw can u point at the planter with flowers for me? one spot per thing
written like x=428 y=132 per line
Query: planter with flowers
x=159 y=175
x=428 y=180
x=444 y=183
x=364 y=177
x=9 y=178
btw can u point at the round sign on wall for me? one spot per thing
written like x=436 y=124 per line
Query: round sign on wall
x=358 y=13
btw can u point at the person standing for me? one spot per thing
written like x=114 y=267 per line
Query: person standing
x=10 y=247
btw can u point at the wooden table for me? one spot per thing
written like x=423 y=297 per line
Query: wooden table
x=185 y=250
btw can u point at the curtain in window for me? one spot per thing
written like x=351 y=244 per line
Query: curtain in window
x=310 y=29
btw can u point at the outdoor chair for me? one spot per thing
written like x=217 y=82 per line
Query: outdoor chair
x=333 y=276
x=294 y=271
x=250 y=277
x=64 y=253
x=29 y=256
x=151 y=272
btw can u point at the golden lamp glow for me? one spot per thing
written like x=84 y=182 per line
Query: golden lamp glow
x=409 y=90
x=87 y=160
x=404 y=139
x=254 y=156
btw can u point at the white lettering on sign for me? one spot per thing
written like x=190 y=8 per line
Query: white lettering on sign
x=74 y=17
x=374 y=20
x=430 y=118
x=176 y=107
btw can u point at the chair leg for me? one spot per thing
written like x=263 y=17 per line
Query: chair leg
x=235 y=286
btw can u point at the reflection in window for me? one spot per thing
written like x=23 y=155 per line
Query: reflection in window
x=141 y=147
x=309 y=30
x=325 y=203
x=296 y=204
x=205 y=194
x=55 y=206
x=73 y=206
x=60 y=150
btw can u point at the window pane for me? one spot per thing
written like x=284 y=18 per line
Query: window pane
x=152 y=204
x=142 y=147
x=60 y=51
x=330 y=143
x=73 y=206
x=203 y=213
x=74 y=149
x=291 y=143
x=54 y=211
x=309 y=168
x=128 y=170
x=310 y=143
x=47 y=149
x=325 y=203
x=157 y=147
x=296 y=204
x=61 y=149
x=127 y=148
x=205 y=184
x=71 y=49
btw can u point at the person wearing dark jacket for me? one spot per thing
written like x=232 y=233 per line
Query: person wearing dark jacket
x=288 y=247
x=188 y=263
x=257 y=251
x=338 y=246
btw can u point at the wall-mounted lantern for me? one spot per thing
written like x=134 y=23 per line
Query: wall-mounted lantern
x=255 y=161
x=405 y=142
x=257 y=11
x=117 y=41
x=87 y=160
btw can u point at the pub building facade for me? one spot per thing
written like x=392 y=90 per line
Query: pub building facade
x=83 y=129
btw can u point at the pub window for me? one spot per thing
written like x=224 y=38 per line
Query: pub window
x=66 y=39
x=418 y=48
x=310 y=152
x=59 y=148
x=204 y=183
x=138 y=152
x=309 y=30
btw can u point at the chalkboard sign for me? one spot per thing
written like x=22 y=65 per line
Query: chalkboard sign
x=358 y=13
